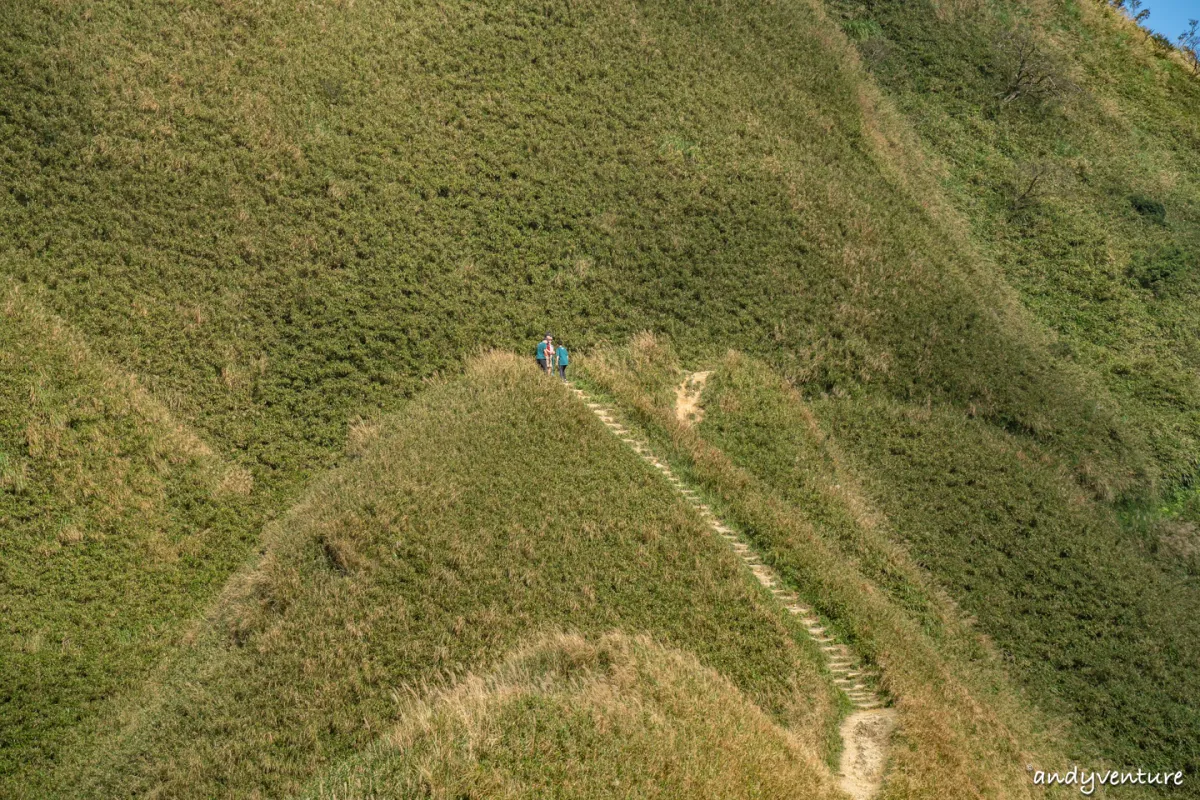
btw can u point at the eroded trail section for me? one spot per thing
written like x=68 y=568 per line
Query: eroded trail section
x=866 y=732
x=687 y=398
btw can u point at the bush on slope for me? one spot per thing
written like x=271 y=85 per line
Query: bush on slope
x=490 y=508
x=569 y=717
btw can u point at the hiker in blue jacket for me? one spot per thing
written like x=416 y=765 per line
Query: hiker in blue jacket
x=545 y=352
x=560 y=356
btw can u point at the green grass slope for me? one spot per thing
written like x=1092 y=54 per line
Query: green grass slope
x=1087 y=195
x=1100 y=626
x=117 y=523
x=278 y=221
x=965 y=727
x=282 y=220
x=572 y=718
x=281 y=217
x=490 y=509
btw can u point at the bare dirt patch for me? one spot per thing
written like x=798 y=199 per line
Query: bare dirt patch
x=687 y=398
x=865 y=738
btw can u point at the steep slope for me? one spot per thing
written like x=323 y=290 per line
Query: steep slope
x=279 y=221
x=572 y=718
x=117 y=523
x=283 y=217
x=1100 y=628
x=964 y=728
x=1084 y=188
x=491 y=509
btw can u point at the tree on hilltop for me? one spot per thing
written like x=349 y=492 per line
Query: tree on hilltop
x=1189 y=45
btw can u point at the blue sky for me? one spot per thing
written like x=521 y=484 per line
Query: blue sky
x=1170 y=17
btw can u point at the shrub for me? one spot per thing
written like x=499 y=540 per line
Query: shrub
x=860 y=30
x=1149 y=208
x=1030 y=72
x=1160 y=269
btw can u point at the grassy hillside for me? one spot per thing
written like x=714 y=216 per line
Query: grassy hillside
x=491 y=509
x=279 y=218
x=574 y=718
x=118 y=522
x=1085 y=194
x=965 y=729
x=243 y=243
x=1102 y=628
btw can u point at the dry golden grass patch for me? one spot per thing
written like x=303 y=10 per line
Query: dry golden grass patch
x=572 y=717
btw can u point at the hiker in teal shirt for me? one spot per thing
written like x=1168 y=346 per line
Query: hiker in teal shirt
x=560 y=355
x=545 y=352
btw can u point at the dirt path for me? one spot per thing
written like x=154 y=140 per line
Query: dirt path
x=687 y=398
x=866 y=736
x=866 y=732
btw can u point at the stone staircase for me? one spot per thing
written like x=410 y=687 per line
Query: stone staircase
x=862 y=766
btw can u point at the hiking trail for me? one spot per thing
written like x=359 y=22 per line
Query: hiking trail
x=866 y=731
x=687 y=398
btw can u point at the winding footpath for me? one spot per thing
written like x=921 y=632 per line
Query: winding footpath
x=866 y=731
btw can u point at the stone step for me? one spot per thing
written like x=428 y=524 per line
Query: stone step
x=848 y=675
